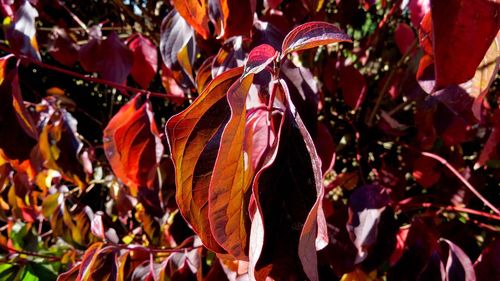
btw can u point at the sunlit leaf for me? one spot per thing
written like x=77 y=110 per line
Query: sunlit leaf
x=232 y=177
x=22 y=33
x=178 y=47
x=259 y=58
x=132 y=144
x=312 y=34
x=195 y=12
x=194 y=138
x=463 y=32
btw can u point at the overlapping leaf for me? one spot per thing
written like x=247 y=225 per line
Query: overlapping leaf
x=461 y=37
x=145 y=63
x=22 y=33
x=232 y=177
x=291 y=183
x=194 y=138
x=195 y=12
x=132 y=144
x=17 y=130
x=178 y=47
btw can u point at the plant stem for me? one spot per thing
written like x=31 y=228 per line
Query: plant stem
x=7 y=248
x=461 y=178
x=387 y=83
x=90 y=79
x=452 y=208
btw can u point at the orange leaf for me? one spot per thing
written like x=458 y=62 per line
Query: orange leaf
x=232 y=177
x=194 y=137
x=132 y=144
x=195 y=12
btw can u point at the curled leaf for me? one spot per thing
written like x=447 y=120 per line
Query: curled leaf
x=194 y=138
x=312 y=34
x=259 y=58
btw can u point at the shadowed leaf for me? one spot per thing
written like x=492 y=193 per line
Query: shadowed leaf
x=109 y=57
x=145 y=63
x=238 y=17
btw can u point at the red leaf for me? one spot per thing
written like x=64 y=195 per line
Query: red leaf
x=463 y=32
x=171 y=86
x=145 y=63
x=353 y=86
x=238 y=17
x=325 y=146
x=62 y=47
x=487 y=265
x=491 y=149
x=425 y=171
x=418 y=8
x=194 y=138
x=110 y=57
x=404 y=37
x=259 y=58
x=312 y=34
x=195 y=12
x=17 y=129
x=132 y=144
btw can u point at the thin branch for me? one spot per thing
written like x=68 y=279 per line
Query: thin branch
x=461 y=178
x=388 y=82
x=75 y=17
x=90 y=79
x=10 y=249
x=451 y=208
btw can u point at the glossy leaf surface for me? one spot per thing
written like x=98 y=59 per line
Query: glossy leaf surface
x=312 y=34
x=194 y=138
x=463 y=32
x=195 y=12
x=132 y=144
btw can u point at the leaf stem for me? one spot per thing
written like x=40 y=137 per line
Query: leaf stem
x=461 y=178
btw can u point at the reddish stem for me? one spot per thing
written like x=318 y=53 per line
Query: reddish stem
x=461 y=178
x=10 y=249
x=86 y=78
x=451 y=208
